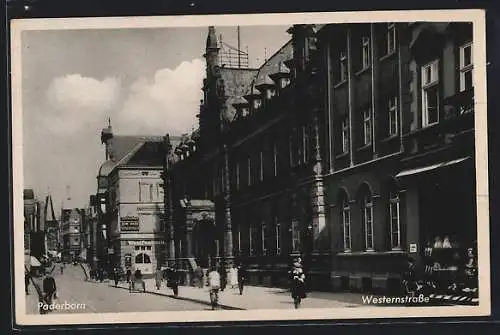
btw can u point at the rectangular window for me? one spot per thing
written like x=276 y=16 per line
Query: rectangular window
x=368 y=218
x=466 y=67
x=365 y=52
x=346 y=223
x=305 y=144
x=250 y=240
x=393 y=116
x=295 y=236
x=261 y=165
x=430 y=93
x=249 y=170
x=263 y=237
x=275 y=159
x=239 y=240
x=343 y=67
x=391 y=38
x=145 y=192
x=345 y=135
x=395 y=223
x=277 y=231
x=367 y=126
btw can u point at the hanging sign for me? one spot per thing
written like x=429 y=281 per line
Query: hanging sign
x=413 y=247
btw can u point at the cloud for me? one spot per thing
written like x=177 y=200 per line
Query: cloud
x=76 y=101
x=167 y=102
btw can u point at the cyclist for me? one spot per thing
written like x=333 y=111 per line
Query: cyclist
x=214 y=284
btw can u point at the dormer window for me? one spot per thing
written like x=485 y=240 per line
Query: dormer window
x=244 y=111
x=270 y=92
x=285 y=82
x=257 y=103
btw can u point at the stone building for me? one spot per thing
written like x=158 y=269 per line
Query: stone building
x=335 y=150
x=132 y=220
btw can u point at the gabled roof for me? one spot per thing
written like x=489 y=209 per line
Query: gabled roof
x=137 y=151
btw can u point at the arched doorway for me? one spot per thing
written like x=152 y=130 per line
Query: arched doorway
x=204 y=242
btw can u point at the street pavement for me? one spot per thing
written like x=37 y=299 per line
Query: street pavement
x=102 y=298
x=255 y=297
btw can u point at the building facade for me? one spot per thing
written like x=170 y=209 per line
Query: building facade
x=133 y=215
x=335 y=150
x=71 y=233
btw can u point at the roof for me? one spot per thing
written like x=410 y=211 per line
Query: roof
x=241 y=82
x=130 y=150
x=237 y=83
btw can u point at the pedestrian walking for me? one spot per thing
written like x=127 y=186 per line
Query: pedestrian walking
x=214 y=282
x=49 y=289
x=242 y=277
x=233 y=276
x=116 y=275
x=100 y=274
x=61 y=268
x=173 y=280
x=27 y=278
x=298 y=284
x=158 y=278
x=223 y=278
x=129 y=274
x=198 y=272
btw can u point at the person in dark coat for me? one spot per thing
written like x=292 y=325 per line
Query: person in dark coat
x=223 y=277
x=198 y=272
x=116 y=275
x=173 y=280
x=158 y=278
x=49 y=289
x=298 y=284
x=129 y=274
x=242 y=277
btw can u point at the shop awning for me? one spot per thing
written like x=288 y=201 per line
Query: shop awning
x=418 y=170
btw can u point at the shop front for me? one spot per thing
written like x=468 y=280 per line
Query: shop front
x=142 y=254
x=441 y=201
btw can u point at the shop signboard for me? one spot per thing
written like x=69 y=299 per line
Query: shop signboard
x=129 y=223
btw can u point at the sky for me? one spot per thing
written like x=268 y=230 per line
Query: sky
x=147 y=81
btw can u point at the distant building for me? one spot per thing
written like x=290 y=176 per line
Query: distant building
x=71 y=231
x=34 y=235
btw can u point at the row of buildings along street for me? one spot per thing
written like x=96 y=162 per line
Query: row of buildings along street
x=351 y=147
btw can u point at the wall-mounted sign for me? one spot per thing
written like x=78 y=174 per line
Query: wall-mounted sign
x=413 y=247
x=144 y=242
x=129 y=223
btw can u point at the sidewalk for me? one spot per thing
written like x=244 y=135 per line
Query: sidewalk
x=254 y=297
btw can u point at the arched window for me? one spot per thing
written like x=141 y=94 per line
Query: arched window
x=367 y=216
x=395 y=223
x=345 y=221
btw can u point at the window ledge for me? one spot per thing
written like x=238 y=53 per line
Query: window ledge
x=363 y=70
x=339 y=84
x=342 y=155
x=389 y=138
x=365 y=146
x=387 y=56
x=371 y=253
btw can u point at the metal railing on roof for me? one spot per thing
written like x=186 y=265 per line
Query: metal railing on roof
x=232 y=57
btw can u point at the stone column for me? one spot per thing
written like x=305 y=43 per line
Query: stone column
x=228 y=232
x=189 y=231
x=170 y=247
x=317 y=192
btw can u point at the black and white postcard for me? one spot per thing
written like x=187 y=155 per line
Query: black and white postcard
x=250 y=167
